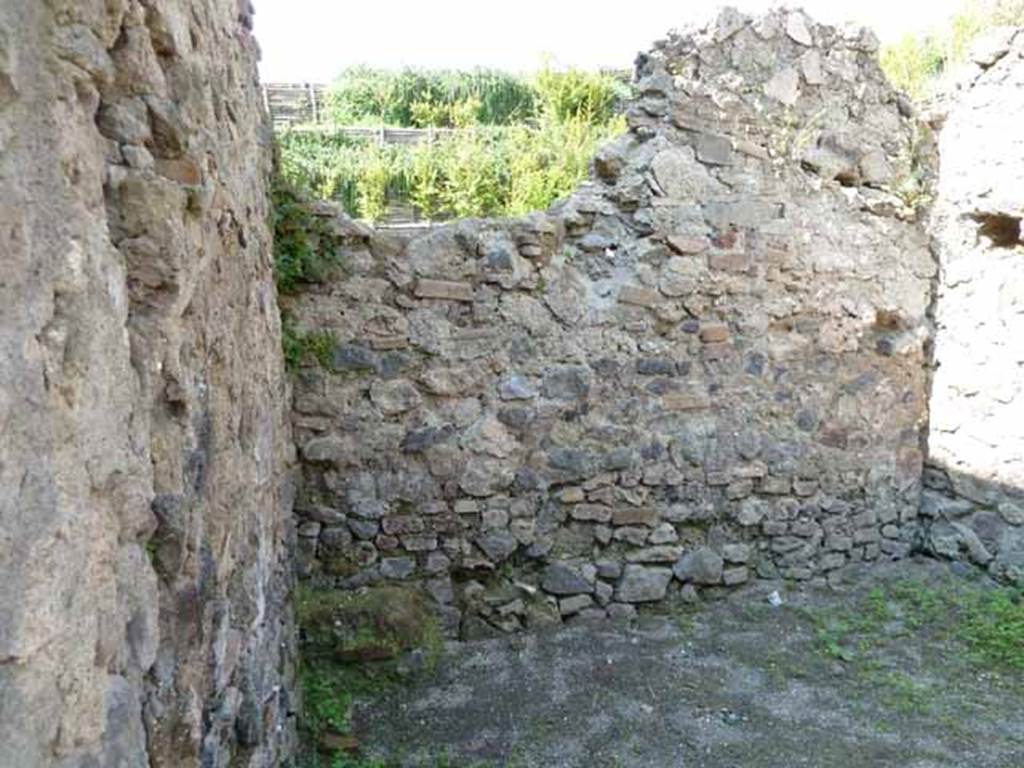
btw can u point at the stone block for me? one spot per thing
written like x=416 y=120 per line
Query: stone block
x=714 y=150
x=635 y=516
x=702 y=566
x=642 y=584
x=561 y=579
x=638 y=296
x=443 y=289
x=711 y=333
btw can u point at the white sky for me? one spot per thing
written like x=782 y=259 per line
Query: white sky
x=312 y=40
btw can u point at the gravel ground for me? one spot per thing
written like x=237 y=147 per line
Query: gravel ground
x=730 y=684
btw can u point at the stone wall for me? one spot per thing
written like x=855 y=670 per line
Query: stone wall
x=707 y=366
x=975 y=493
x=145 y=446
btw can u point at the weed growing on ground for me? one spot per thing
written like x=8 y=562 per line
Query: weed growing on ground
x=351 y=643
x=977 y=630
x=987 y=622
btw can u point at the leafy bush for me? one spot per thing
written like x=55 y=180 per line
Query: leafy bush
x=574 y=94
x=916 y=63
x=487 y=171
x=453 y=99
x=421 y=98
x=324 y=163
x=525 y=143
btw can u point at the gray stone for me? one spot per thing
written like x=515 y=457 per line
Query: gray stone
x=516 y=387
x=665 y=533
x=784 y=86
x=437 y=562
x=368 y=509
x=352 y=357
x=701 y=566
x=396 y=396
x=498 y=545
x=560 y=579
x=736 y=553
x=364 y=528
x=603 y=593
x=485 y=476
x=679 y=175
x=397 y=567
x=661 y=554
x=796 y=28
x=714 y=150
x=621 y=612
x=609 y=569
x=641 y=584
x=875 y=168
x=1012 y=513
x=734 y=576
x=810 y=65
x=571 y=382
x=568 y=606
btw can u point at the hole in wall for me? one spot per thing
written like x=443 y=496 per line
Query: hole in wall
x=1000 y=230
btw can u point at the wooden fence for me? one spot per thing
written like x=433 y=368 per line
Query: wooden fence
x=300 y=106
x=381 y=135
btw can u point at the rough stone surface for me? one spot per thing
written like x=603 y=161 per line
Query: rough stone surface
x=702 y=566
x=640 y=584
x=976 y=439
x=718 y=341
x=142 y=503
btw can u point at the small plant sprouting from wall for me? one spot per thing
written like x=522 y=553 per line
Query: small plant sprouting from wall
x=298 y=345
x=306 y=250
x=305 y=247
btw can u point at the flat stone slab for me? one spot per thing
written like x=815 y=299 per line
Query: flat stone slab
x=735 y=684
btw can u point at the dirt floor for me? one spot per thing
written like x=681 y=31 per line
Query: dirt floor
x=903 y=670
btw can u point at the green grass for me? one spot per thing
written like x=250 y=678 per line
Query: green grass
x=326 y=698
x=914 y=647
x=987 y=623
x=992 y=627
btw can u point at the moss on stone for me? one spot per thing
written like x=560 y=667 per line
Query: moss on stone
x=373 y=623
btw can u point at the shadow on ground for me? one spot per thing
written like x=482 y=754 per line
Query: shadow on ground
x=907 y=669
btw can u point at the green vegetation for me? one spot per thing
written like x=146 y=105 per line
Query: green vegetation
x=456 y=99
x=350 y=645
x=910 y=644
x=987 y=623
x=523 y=143
x=420 y=98
x=478 y=172
x=916 y=63
x=305 y=246
x=297 y=345
x=305 y=251
x=375 y=623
